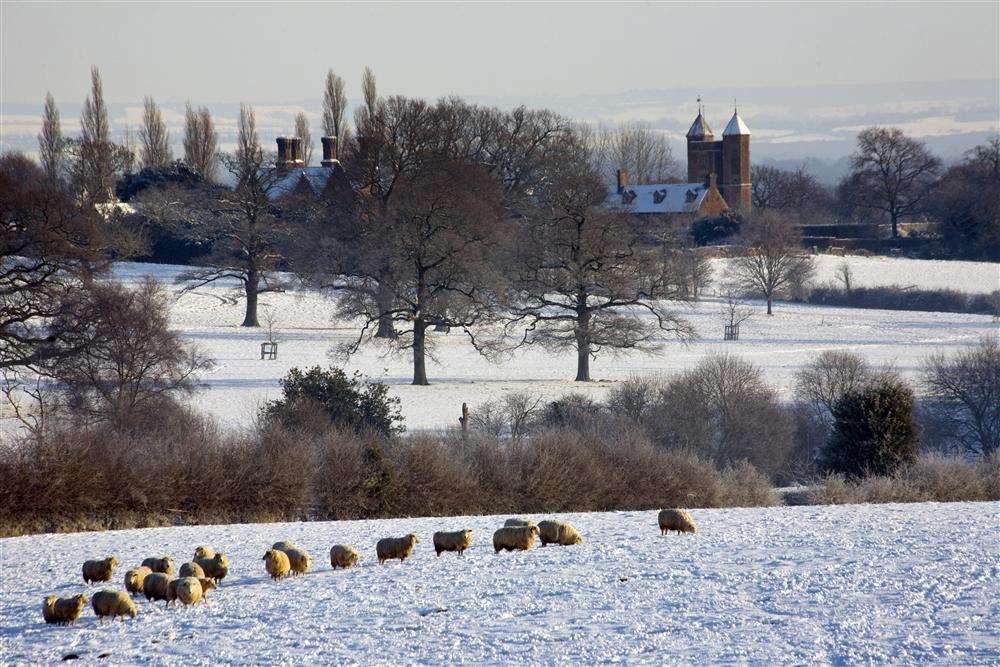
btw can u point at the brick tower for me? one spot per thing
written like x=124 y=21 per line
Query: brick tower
x=735 y=181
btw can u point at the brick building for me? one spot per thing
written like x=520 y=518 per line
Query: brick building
x=718 y=176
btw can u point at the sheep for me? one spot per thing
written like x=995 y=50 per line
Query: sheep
x=63 y=610
x=134 y=579
x=99 y=570
x=216 y=567
x=111 y=603
x=676 y=519
x=395 y=547
x=283 y=545
x=207 y=585
x=162 y=565
x=276 y=563
x=187 y=590
x=342 y=555
x=457 y=541
x=517 y=523
x=156 y=586
x=557 y=532
x=514 y=538
x=299 y=560
x=203 y=552
x=191 y=570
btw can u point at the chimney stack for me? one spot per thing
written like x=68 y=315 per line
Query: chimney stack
x=281 y=162
x=295 y=152
x=329 y=151
x=710 y=180
x=622 y=180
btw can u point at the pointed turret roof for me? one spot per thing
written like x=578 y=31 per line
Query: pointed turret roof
x=699 y=128
x=736 y=126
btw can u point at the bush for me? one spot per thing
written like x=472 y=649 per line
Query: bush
x=346 y=402
x=710 y=231
x=895 y=297
x=873 y=431
x=931 y=478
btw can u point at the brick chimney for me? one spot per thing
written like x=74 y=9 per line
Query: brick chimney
x=710 y=180
x=281 y=162
x=329 y=151
x=295 y=158
x=622 y=180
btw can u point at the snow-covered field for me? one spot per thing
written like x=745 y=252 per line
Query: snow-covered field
x=902 y=584
x=781 y=344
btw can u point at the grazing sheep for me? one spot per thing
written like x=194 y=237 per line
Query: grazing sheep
x=111 y=603
x=187 y=590
x=514 y=538
x=134 y=579
x=276 y=563
x=203 y=552
x=216 y=567
x=395 y=547
x=99 y=570
x=676 y=519
x=63 y=610
x=517 y=523
x=557 y=532
x=457 y=541
x=162 y=565
x=191 y=570
x=283 y=545
x=156 y=586
x=299 y=560
x=344 y=556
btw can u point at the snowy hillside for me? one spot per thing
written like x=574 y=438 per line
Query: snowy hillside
x=780 y=344
x=841 y=584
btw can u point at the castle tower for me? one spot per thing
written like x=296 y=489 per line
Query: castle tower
x=703 y=152
x=735 y=181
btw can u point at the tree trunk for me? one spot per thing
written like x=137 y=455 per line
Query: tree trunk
x=251 y=284
x=385 y=327
x=769 y=301
x=894 y=218
x=419 y=361
x=583 y=348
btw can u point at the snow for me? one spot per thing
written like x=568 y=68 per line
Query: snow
x=791 y=585
x=736 y=126
x=978 y=277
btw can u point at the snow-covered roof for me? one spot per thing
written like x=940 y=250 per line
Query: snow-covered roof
x=736 y=126
x=662 y=198
x=699 y=128
x=315 y=178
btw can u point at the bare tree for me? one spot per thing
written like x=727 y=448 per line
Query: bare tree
x=154 y=136
x=133 y=359
x=636 y=147
x=303 y=133
x=582 y=276
x=771 y=257
x=239 y=224
x=735 y=311
x=782 y=190
x=891 y=173
x=829 y=377
x=335 y=108
x=50 y=250
x=965 y=391
x=95 y=173
x=51 y=149
x=201 y=142
x=128 y=151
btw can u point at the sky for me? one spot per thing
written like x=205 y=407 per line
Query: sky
x=230 y=52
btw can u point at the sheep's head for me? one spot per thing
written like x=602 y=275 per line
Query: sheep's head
x=207 y=585
x=467 y=533
x=79 y=601
x=50 y=600
x=533 y=528
x=111 y=561
x=204 y=552
x=222 y=560
x=413 y=539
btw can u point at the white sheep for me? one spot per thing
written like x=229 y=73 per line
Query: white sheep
x=558 y=532
x=112 y=603
x=395 y=547
x=676 y=519
x=342 y=555
x=458 y=540
x=514 y=538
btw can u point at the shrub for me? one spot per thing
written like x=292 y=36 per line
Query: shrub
x=873 y=431
x=347 y=402
x=895 y=297
x=709 y=231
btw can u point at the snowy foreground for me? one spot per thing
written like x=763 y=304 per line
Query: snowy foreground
x=841 y=584
x=780 y=345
